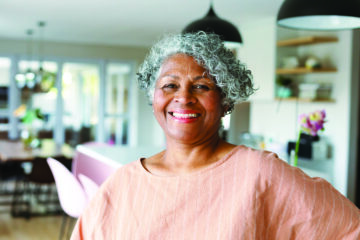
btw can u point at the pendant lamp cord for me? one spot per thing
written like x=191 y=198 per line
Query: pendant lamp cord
x=211 y=3
x=41 y=25
x=29 y=44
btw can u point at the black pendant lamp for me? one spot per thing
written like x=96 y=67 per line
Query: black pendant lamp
x=320 y=14
x=211 y=23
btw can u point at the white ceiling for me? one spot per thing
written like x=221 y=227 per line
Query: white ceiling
x=118 y=22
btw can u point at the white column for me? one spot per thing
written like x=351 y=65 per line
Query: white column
x=59 y=133
x=100 y=136
x=14 y=99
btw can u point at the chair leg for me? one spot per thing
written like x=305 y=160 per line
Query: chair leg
x=69 y=229
x=28 y=192
x=63 y=226
x=17 y=199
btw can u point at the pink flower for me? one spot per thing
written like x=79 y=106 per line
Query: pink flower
x=312 y=123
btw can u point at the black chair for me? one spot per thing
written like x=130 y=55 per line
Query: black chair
x=36 y=194
x=10 y=173
x=4 y=134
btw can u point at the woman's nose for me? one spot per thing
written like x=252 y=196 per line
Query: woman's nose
x=185 y=96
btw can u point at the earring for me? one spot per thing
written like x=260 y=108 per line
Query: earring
x=228 y=109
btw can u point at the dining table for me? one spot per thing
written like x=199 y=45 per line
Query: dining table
x=17 y=171
x=15 y=150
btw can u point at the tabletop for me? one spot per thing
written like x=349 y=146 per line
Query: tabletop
x=15 y=150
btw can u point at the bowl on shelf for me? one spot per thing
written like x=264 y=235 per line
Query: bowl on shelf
x=308 y=90
x=290 y=62
x=324 y=91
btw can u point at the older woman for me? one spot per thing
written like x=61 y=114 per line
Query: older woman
x=201 y=187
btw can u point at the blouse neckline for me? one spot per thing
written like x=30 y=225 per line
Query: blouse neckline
x=191 y=174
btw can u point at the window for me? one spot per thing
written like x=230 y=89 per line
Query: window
x=5 y=64
x=117 y=91
x=80 y=94
x=44 y=91
x=93 y=105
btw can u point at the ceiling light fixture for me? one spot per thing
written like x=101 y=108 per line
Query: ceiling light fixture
x=41 y=26
x=45 y=79
x=41 y=80
x=27 y=79
x=319 y=14
x=211 y=23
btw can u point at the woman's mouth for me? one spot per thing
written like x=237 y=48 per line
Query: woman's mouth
x=184 y=117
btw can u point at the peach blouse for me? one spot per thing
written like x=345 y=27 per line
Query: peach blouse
x=249 y=194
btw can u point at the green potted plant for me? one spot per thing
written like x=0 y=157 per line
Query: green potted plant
x=28 y=117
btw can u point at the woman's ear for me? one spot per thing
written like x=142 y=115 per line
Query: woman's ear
x=225 y=110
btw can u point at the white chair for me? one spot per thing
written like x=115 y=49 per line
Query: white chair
x=72 y=196
x=89 y=186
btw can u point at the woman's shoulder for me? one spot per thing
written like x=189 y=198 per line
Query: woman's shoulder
x=262 y=163
x=122 y=175
x=257 y=155
x=127 y=170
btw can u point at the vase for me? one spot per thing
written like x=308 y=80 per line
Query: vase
x=320 y=150
x=29 y=139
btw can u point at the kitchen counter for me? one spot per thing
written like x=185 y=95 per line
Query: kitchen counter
x=117 y=156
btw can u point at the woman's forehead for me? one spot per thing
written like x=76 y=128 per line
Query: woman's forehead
x=179 y=57
x=182 y=63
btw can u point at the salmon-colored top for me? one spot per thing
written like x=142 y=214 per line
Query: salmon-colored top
x=248 y=194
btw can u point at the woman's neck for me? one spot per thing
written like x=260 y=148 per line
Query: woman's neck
x=181 y=158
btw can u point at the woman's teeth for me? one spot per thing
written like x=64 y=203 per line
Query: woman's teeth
x=184 y=115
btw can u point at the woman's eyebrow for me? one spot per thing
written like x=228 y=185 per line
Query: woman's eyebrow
x=174 y=76
x=170 y=76
x=201 y=77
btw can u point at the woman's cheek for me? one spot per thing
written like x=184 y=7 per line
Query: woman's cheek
x=159 y=100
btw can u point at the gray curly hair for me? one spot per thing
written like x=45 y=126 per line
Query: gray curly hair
x=232 y=77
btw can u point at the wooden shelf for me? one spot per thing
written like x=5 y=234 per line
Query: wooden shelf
x=305 y=41
x=303 y=70
x=294 y=99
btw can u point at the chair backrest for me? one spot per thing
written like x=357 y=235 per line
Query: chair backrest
x=71 y=194
x=89 y=185
x=40 y=172
x=10 y=170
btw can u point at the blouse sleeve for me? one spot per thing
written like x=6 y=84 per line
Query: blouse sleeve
x=89 y=224
x=94 y=223
x=300 y=207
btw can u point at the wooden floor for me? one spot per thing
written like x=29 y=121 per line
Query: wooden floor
x=20 y=228
x=36 y=228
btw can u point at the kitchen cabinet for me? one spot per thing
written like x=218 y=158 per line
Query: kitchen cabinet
x=296 y=65
x=278 y=120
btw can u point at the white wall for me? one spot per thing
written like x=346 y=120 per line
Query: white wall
x=75 y=50
x=279 y=120
x=150 y=132
x=258 y=53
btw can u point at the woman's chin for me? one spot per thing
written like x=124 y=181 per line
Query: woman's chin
x=182 y=136
x=188 y=137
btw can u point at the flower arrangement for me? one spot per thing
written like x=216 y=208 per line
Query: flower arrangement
x=28 y=117
x=310 y=124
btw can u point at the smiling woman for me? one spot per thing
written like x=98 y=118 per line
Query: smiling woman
x=232 y=77
x=201 y=187
x=187 y=103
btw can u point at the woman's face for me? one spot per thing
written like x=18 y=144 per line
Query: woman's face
x=187 y=103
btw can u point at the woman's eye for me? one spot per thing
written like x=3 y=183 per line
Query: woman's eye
x=202 y=87
x=169 y=86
